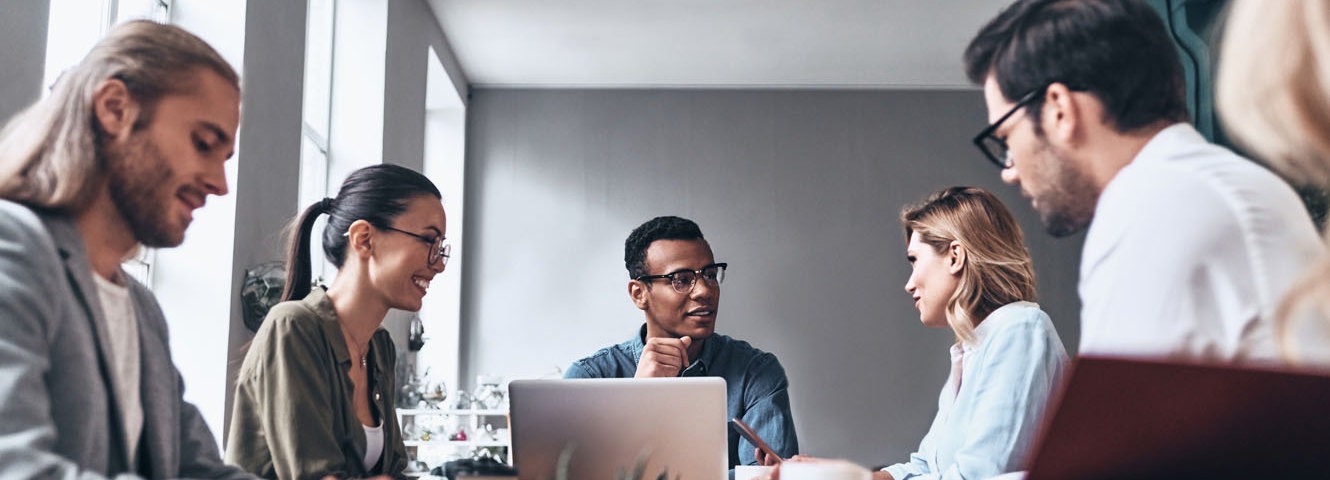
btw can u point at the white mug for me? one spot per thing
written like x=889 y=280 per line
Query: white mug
x=830 y=470
x=747 y=472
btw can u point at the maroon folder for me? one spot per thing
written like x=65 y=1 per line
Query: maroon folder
x=1120 y=418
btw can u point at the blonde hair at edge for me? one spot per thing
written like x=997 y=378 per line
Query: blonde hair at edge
x=997 y=270
x=49 y=152
x=1273 y=95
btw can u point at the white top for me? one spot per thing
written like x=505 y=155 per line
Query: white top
x=123 y=329
x=373 y=445
x=989 y=409
x=1189 y=252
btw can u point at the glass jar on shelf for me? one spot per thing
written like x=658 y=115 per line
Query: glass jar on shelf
x=434 y=395
x=423 y=391
x=463 y=401
x=488 y=394
x=411 y=392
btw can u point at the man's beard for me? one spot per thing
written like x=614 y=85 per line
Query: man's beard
x=1067 y=205
x=138 y=175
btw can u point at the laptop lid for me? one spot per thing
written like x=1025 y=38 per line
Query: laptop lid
x=609 y=423
x=1120 y=418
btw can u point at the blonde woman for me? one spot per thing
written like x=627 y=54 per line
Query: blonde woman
x=1273 y=94
x=973 y=274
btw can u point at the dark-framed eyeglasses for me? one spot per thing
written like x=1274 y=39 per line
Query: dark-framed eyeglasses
x=684 y=280
x=438 y=251
x=995 y=147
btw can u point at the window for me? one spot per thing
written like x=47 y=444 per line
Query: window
x=140 y=267
x=445 y=164
x=317 y=117
x=74 y=27
x=157 y=10
x=72 y=30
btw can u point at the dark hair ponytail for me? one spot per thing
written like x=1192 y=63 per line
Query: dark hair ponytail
x=376 y=194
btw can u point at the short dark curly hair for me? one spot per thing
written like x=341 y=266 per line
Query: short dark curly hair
x=659 y=228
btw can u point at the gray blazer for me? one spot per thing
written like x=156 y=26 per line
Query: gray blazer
x=58 y=412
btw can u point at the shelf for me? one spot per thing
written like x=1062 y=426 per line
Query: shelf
x=467 y=443
x=451 y=411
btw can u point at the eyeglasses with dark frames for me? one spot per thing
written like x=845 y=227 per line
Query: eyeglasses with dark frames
x=437 y=251
x=684 y=280
x=995 y=147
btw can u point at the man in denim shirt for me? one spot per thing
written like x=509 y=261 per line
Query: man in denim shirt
x=675 y=281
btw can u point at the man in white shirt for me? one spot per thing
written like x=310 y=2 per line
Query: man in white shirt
x=1189 y=246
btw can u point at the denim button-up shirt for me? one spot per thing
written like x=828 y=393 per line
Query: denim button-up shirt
x=985 y=427
x=755 y=384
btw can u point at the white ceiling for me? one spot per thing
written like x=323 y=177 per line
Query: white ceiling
x=713 y=43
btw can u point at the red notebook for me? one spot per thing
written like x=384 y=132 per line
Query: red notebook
x=1118 y=418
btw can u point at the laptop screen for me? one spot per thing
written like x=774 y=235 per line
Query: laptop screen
x=602 y=426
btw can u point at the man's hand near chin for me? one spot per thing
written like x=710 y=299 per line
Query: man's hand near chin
x=663 y=357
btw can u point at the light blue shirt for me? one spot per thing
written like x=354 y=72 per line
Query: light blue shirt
x=985 y=427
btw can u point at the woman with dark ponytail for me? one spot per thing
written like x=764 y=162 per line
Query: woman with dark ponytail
x=315 y=394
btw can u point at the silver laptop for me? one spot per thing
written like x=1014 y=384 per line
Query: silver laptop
x=606 y=425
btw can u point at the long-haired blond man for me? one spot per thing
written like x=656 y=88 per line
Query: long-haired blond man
x=128 y=145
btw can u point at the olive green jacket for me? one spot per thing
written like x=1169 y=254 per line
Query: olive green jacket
x=293 y=417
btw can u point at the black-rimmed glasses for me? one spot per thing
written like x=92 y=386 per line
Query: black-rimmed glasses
x=684 y=280
x=994 y=147
x=437 y=251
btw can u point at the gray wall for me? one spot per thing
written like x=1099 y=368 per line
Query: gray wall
x=799 y=190
x=23 y=34
x=412 y=29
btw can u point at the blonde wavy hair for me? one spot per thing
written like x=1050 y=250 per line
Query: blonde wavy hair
x=1273 y=95
x=997 y=269
x=50 y=152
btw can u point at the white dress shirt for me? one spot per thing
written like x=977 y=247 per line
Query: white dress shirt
x=1189 y=252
